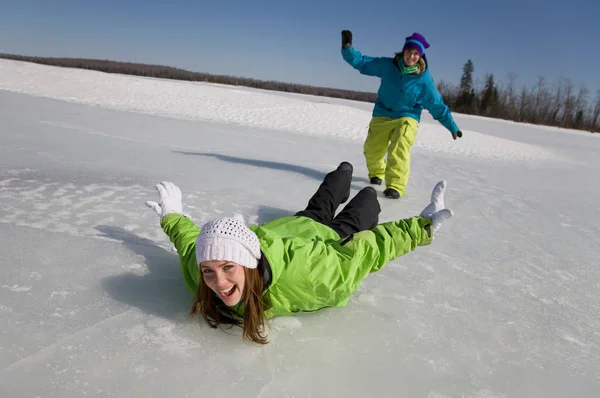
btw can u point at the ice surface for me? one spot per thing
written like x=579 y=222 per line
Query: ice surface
x=504 y=303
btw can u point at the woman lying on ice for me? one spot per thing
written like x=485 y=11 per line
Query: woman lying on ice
x=243 y=275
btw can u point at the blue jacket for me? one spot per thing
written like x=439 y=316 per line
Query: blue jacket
x=401 y=95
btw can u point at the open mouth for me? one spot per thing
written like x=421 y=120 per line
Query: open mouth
x=227 y=293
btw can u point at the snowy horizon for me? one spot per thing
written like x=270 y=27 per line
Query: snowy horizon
x=504 y=302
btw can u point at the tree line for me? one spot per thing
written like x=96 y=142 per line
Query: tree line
x=560 y=105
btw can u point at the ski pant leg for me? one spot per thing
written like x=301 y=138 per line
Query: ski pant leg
x=376 y=144
x=398 y=161
x=333 y=191
x=360 y=214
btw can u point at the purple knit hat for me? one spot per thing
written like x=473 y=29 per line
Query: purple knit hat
x=416 y=41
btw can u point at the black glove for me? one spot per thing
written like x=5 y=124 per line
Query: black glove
x=346 y=38
x=457 y=134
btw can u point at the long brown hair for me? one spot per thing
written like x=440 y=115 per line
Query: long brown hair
x=210 y=307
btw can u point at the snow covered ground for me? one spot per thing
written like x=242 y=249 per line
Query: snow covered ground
x=504 y=303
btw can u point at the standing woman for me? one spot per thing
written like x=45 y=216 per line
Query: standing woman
x=406 y=89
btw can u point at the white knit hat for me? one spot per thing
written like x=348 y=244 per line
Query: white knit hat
x=228 y=239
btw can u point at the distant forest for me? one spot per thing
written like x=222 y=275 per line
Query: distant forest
x=560 y=104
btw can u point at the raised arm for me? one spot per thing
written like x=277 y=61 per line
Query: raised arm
x=349 y=261
x=182 y=232
x=366 y=65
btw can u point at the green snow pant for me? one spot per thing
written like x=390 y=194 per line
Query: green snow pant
x=396 y=137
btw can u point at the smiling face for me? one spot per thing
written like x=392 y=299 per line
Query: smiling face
x=225 y=278
x=411 y=56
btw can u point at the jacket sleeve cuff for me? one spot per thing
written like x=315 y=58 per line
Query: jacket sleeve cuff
x=169 y=217
x=427 y=237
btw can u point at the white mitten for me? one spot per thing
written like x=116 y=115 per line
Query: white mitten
x=170 y=199
x=435 y=210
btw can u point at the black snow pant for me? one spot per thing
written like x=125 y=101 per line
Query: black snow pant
x=361 y=213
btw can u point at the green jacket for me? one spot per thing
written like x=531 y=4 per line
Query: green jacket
x=312 y=268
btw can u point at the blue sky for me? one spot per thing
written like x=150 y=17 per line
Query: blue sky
x=299 y=41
